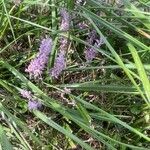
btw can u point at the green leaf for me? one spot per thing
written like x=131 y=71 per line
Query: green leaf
x=141 y=71
x=101 y=88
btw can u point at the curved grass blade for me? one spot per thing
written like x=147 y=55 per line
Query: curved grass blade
x=100 y=136
x=18 y=134
x=7 y=15
x=101 y=88
x=82 y=68
x=107 y=11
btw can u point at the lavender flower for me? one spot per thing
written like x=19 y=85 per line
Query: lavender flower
x=32 y=105
x=91 y=37
x=37 y=65
x=46 y=46
x=26 y=94
x=90 y=52
x=100 y=42
x=65 y=20
x=59 y=65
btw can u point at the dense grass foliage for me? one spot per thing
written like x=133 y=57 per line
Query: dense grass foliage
x=74 y=74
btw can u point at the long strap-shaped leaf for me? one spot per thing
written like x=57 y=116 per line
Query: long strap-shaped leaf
x=54 y=125
x=101 y=88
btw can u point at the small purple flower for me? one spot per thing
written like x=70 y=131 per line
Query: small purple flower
x=59 y=65
x=26 y=94
x=46 y=46
x=65 y=20
x=93 y=40
x=37 y=65
x=92 y=36
x=32 y=105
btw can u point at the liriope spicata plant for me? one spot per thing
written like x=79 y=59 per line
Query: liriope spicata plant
x=89 y=79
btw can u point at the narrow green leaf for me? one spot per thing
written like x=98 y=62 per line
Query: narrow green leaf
x=84 y=114
x=103 y=88
x=7 y=14
x=141 y=71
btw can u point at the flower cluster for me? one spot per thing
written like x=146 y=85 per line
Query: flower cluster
x=26 y=94
x=32 y=103
x=37 y=65
x=60 y=63
x=93 y=40
x=65 y=20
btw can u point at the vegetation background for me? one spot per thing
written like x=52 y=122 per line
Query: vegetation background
x=101 y=104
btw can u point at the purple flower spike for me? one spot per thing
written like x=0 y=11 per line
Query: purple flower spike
x=93 y=40
x=59 y=65
x=46 y=46
x=32 y=105
x=37 y=65
x=65 y=20
x=26 y=94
